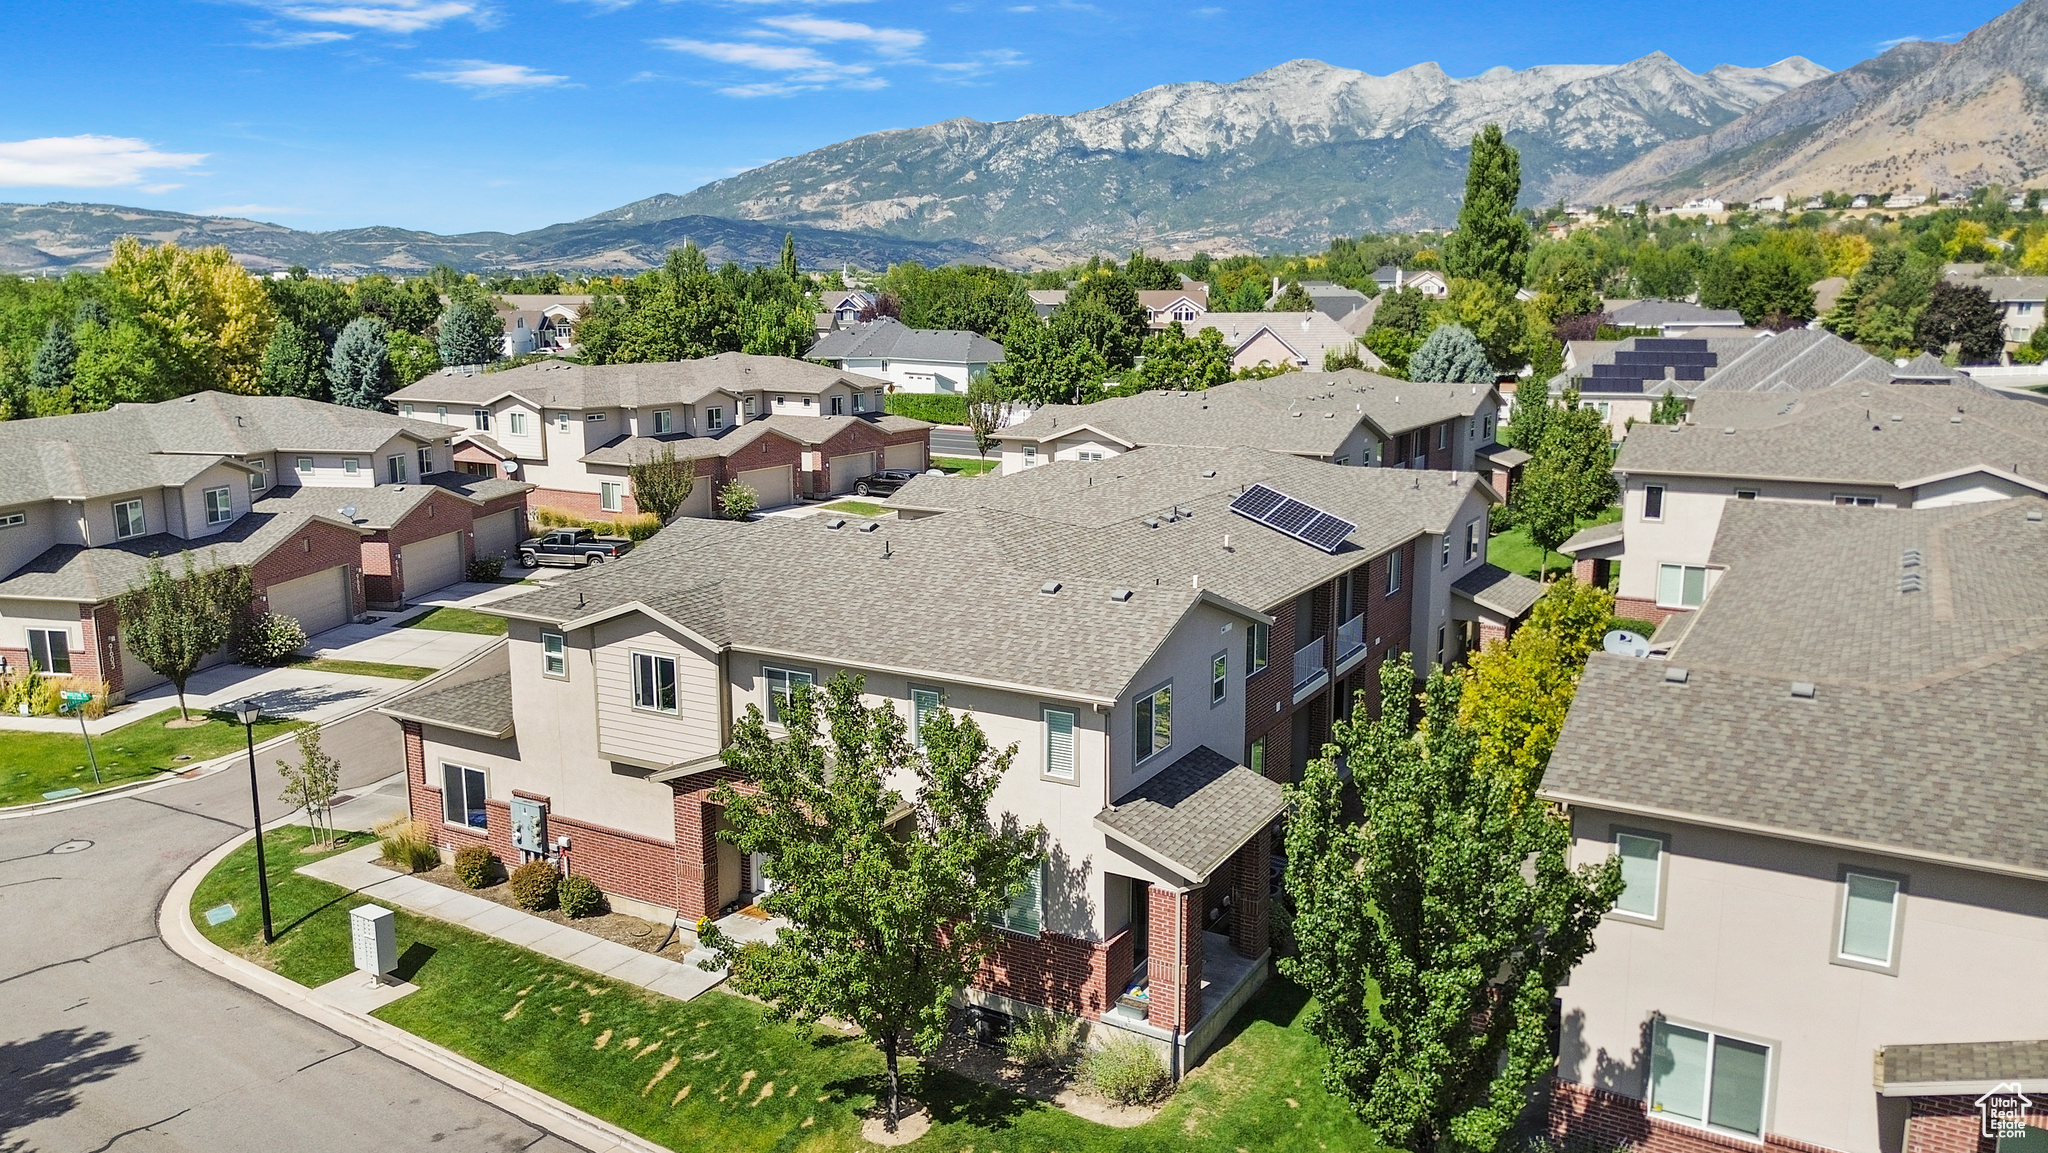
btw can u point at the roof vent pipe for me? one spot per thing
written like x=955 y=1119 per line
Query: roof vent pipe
x=1804 y=690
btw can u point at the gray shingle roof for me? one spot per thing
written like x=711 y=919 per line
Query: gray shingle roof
x=1920 y=737
x=812 y=430
x=562 y=384
x=93 y=575
x=482 y=706
x=887 y=337
x=1193 y=814
x=1495 y=589
x=1090 y=516
x=1967 y=1063
x=1664 y=313
x=382 y=506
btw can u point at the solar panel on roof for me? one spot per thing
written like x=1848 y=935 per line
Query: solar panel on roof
x=1298 y=519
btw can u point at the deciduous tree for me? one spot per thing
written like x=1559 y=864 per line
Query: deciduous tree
x=1492 y=240
x=1962 y=315
x=1569 y=477
x=208 y=317
x=171 y=623
x=985 y=411
x=661 y=483
x=1174 y=359
x=1517 y=692
x=311 y=782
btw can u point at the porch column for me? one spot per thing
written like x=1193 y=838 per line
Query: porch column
x=1249 y=914
x=1174 y=967
x=696 y=855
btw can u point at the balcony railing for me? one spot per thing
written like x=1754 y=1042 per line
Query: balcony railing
x=1308 y=662
x=1350 y=638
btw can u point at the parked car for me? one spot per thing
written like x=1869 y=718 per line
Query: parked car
x=572 y=547
x=884 y=482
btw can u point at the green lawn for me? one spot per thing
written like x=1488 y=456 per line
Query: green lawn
x=966 y=465
x=1515 y=552
x=38 y=763
x=364 y=668
x=716 y=1073
x=856 y=508
x=450 y=619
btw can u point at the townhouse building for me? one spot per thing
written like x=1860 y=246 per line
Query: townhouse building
x=1827 y=803
x=277 y=484
x=786 y=428
x=923 y=360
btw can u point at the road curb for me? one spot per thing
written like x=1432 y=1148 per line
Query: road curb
x=175 y=927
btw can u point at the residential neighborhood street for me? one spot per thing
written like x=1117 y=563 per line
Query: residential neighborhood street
x=110 y=1041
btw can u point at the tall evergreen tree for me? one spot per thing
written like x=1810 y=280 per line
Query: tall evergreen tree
x=789 y=255
x=464 y=338
x=359 y=371
x=56 y=357
x=1492 y=240
x=294 y=363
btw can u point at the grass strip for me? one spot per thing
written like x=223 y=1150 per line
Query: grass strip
x=364 y=668
x=450 y=619
x=37 y=763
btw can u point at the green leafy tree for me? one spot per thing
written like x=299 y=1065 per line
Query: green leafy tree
x=775 y=327
x=985 y=410
x=314 y=304
x=1517 y=692
x=413 y=357
x=172 y=623
x=1569 y=477
x=1451 y=353
x=312 y=781
x=661 y=483
x=294 y=363
x=414 y=305
x=1492 y=240
x=464 y=338
x=1104 y=305
x=1406 y=312
x=1963 y=316
x=56 y=359
x=973 y=298
x=1669 y=409
x=1294 y=298
x=1567 y=288
x=1765 y=283
x=359 y=370
x=1174 y=359
x=1489 y=311
x=1434 y=929
x=1147 y=274
x=1664 y=274
x=788 y=262
x=207 y=321
x=1348 y=357
x=888 y=863
x=680 y=311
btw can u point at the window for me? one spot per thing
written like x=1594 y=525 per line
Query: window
x=1443 y=435
x=1745 y=494
x=1708 y=1079
x=554 y=656
x=654 y=682
x=1152 y=725
x=1471 y=541
x=1487 y=422
x=128 y=519
x=1393 y=572
x=260 y=479
x=1642 y=875
x=1030 y=455
x=837 y=403
x=50 y=650
x=593 y=418
x=482 y=418
x=441 y=413
x=462 y=796
x=1446 y=562
x=1059 y=744
x=781 y=682
x=1256 y=639
x=1255 y=757
x=350 y=465
x=1869 y=923
x=1855 y=500
x=1653 y=502
x=859 y=401
x=14 y=519
x=397 y=463
x=1681 y=585
x=1219 y=678
x=220 y=506
x=749 y=409
x=1027 y=905
x=807 y=402
x=1440 y=630
x=426 y=461
x=714 y=418
x=664 y=421
x=306 y=465
x=609 y=493
x=923 y=703
x=405 y=410
x=561 y=422
x=515 y=423
x=1088 y=454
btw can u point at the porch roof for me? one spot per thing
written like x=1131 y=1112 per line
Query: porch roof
x=1499 y=591
x=1962 y=1069
x=1194 y=813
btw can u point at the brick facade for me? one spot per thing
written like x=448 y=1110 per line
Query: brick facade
x=1637 y=608
x=316 y=546
x=1248 y=875
x=441 y=513
x=1174 y=963
x=1061 y=973
x=1954 y=1125
x=1580 y=1115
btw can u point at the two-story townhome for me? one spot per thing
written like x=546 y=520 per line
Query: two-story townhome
x=1889 y=445
x=1827 y=800
x=1282 y=339
x=2022 y=301
x=92 y=496
x=910 y=359
x=787 y=428
x=602 y=719
x=1350 y=417
x=1410 y=575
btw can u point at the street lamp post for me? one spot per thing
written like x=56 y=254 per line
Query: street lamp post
x=246 y=713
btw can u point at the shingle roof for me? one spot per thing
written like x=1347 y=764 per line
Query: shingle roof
x=481 y=706
x=382 y=506
x=811 y=430
x=1920 y=737
x=2013 y=288
x=1664 y=313
x=1193 y=814
x=92 y=575
x=564 y=384
x=888 y=337
x=1309 y=334
x=1495 y=589
x=1969 y=1063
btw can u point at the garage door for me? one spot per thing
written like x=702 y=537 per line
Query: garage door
x=498 y=533
x=431 y=564
x=910 y=456
x=849 y=468
x=318 y=602
x=772 y=485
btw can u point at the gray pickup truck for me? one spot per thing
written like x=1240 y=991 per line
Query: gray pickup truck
x=572 y=547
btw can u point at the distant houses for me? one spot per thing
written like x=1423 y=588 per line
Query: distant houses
x=921 y=360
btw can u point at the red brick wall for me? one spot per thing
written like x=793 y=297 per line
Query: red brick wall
x=1580 y=1114
x=316 y=546
x=1058 y=972
x=1643 y=610
x=1175 y=981
x=696 y=845
x=1248 y=877
x=620 y=862
x=1952 y=1125
x=583 y=504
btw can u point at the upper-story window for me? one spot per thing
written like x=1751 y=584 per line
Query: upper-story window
x=1257 y=637
x=260 y=479
x=664 y=421
x=350 y=466
x=13 y=518
x=1443 y=435
x=441 y=413
x=593 y=418
x=405 y=410
x=1745 y=494
x=748 y=408
x=837 y=401
x=1857 y=500
x=780 y=683
x=1642 y=876
x=1152 y=723
x=1486 y=423
x=220 y=505
x=1471 y=541
x=1653 y=502
x=482 y=417
x=1059 y=744
x=1868 y=935
x=1219 y=678
x=654 y=682
x=1393 y=572
x=305 y=465
x=515 y=423
x=1681 y=585
x=859 y=401
x=714 y=418
x=395 y=464
x=923 y=703
x=1446 y=561
x=128 y=520
x=426 y=461
x=554 y=655
x=561 y=422
x=1030 y=455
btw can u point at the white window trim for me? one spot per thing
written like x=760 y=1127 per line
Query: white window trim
x=1889 y=966
x=13 y=518
x=465 y=770
x=768 y=706
x=1152 y=695
x=1661 y=495
x=1258 y=652
x=227 y=510
x=1471 y=541
x=1045 y=714
x=611 y=495
x=350 y=466
x=63 y=637
x=1770 y=1081
x=1706 y=585
x=516 y=423
x=1653 y=920
x=560 y=656
x=938 y=697
x=140 y=522
x=1394 y=560
x=634 y=657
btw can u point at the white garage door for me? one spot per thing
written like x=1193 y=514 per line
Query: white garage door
x=850 y=468
x=498 y=533
x=431 y=563
x=772 y=485
x=910 y=456
x=318 y=602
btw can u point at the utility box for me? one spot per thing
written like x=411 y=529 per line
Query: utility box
x=373 y=931
x=529 y=826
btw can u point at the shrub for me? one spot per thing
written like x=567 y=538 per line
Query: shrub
x=1124 y=1070
x=534 y=885
x=271 y=639
x=487 y=568
x=737 y=501
x=938 y=408
x=636 y=528
x=407 y=845
x=475 y=865
x=580 y=896
x=1044 y=1040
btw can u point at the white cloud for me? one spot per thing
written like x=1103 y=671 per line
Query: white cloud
x=250 y=210
x=280 y=39
x=981 y=63
x=1895 y=42
x=159 y=189
x=397 y=16
x=483 y=74
x=87 y=162
x=804 y=69
x=891 y=41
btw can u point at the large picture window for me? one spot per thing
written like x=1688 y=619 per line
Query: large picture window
x=49 y=650
x=1702 y=1077
x=1152 y=725
x=462 y=796
x=654 y=682
x=1681 y=585
x=780 y=683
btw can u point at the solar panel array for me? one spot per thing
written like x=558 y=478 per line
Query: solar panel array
x=1300 y=520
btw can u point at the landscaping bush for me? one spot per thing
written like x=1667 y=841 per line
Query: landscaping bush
x=535 y=884
x=271 y=639
x=31 y=694
x=1044 y=1040
x=475 y=865
x=487 y=568
x=1124 y=1070
x=407 y=845
x=737 y=501
x=938 y=408
x=1641 y=628
x=580 y=896
x=635 y=528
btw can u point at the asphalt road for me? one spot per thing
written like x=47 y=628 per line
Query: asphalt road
x=109 y=1041
x=947 y=441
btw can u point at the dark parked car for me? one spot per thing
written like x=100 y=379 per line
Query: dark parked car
x=884 y=482
x=572 y=547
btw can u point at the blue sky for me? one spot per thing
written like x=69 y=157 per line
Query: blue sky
x=460 y=115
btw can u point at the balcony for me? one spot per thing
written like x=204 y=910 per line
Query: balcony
x=1350 y=643
x=1310 y=673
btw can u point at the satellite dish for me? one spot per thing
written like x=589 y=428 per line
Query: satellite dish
x=511 y=467
x=1623 y=643
x=349 y=511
